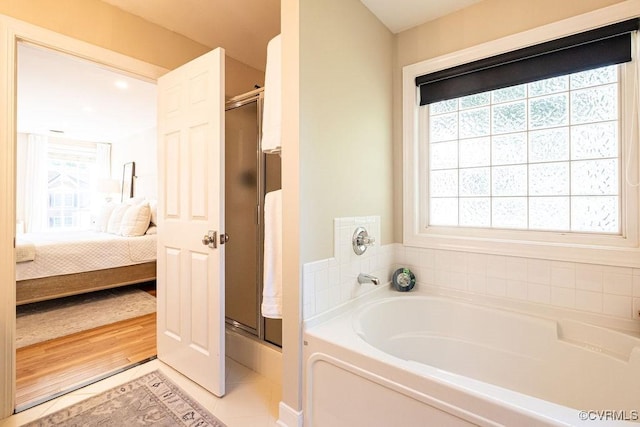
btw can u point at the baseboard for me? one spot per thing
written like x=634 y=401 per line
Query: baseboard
x=289 y=417
x=261 y=357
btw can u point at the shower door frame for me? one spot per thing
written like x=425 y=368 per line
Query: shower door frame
x=238 y=101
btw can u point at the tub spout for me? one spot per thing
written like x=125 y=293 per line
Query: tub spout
x=367 y=278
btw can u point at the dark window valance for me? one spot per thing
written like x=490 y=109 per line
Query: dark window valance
x=580 y=52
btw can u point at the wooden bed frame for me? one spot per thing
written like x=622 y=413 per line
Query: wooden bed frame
x=45 y=288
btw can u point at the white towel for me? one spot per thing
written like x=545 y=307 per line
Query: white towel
x=272 y=279
x=272 y=115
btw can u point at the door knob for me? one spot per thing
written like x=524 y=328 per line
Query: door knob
x=211 y=239
x=224 y=238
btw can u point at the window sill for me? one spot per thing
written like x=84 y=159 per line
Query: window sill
x=593 y=254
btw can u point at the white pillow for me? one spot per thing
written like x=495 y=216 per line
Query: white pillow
x=152 y=230
x=102 y=220
x=115 y=220
x=135 y=200
x=135 y=220
x=153 y=204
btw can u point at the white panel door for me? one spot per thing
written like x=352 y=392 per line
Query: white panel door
x=190 y=279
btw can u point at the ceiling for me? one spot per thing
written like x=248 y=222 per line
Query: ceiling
x=79 y=99
x=400 y=15
x=60 y=92
x=242 y=27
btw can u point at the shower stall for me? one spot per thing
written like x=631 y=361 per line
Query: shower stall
x=249 y=175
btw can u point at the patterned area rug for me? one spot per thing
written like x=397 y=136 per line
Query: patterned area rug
x=151 y=400
x=42 y=321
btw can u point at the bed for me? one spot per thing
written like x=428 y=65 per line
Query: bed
x=57 y=264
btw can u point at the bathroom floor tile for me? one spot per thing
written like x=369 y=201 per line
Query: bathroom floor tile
x=251 y=399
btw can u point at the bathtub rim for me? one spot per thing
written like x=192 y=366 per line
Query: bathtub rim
x=629 y=327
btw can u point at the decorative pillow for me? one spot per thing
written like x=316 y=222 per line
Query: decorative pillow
x=135 y=200
x=152 y=230
x=153 y=204
x=115 y=220
x=135 y=220
x=102 y=220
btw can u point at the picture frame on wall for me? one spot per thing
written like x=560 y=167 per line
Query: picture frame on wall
x=128 y=173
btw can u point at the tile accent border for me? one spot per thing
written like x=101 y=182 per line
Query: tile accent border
x=612 y=292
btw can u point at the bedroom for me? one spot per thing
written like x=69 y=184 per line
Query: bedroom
x=93 y=121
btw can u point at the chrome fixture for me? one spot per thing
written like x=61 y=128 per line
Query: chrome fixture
x=361 y=240
x=367 y=278
x=211 y=239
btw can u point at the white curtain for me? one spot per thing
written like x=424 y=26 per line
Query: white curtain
x=103 y=160
x=34 y=193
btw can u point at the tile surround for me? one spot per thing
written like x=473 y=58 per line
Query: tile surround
x=330 y=282
x=591 y=288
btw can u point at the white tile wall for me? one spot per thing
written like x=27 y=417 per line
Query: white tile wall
x=563 y=297
x=589 y=277
x=636 y=282
x=331 y=282
x=563 y=274
x=611 y=291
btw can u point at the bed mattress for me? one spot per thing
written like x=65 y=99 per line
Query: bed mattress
x=76 y=252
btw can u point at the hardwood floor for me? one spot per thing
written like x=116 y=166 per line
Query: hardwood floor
x=50 y=367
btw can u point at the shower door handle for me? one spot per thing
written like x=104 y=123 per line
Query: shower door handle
x=211 y=239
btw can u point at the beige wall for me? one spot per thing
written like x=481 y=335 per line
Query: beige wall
x=485 y=21
x=291 y=269
x=346 y=58
x=140 y=148
x=106 y=26
x=482 y=22
x=336 y=159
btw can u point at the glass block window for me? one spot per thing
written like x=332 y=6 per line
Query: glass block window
x=539 y=156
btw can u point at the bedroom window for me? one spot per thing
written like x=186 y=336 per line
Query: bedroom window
x=533 y=151
x=71 y=181
x=69 y=194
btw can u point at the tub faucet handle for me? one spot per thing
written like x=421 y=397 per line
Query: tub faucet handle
x=367 y=278
x=361 y=241
x=366 y=240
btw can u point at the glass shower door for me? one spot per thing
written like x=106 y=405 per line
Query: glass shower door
x=249 y=174
x=242 y=217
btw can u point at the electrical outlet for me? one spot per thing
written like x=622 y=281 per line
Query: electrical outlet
x=636 y=308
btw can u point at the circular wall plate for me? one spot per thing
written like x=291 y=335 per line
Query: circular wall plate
x=403 y=280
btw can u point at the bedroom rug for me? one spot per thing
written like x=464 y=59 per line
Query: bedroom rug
x=42 y=321
x=151 y=400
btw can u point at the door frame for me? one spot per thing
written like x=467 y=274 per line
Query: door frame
x=13 y=31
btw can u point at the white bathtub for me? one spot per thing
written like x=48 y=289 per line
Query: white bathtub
x=405 y=360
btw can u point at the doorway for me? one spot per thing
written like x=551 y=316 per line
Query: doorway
x=78 y=123
x=12 y=33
